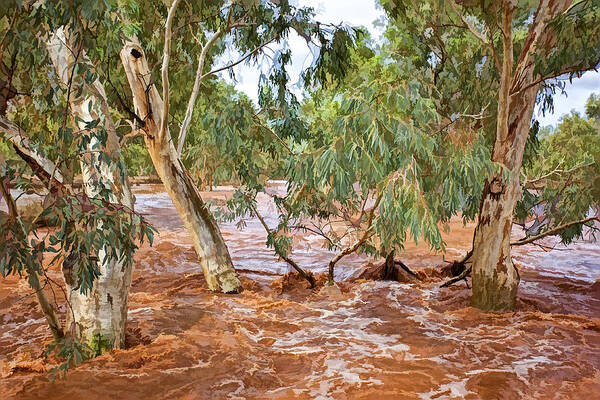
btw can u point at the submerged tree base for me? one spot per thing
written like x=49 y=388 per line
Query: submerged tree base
x=184 y=340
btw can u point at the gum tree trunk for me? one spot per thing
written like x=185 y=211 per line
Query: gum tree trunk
x=495 y=278
x=206 y=236
x=100 y=316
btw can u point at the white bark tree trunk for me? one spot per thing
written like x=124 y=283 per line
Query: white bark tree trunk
x=206 y=236
x=100 y=316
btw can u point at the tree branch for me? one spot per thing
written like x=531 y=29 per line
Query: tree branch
x=165 y=71
x=199 y=77
x=554 y=231
x=45 y=169
x=306 y=275
x=351 y=249
x=463 y=274
x=245 y=57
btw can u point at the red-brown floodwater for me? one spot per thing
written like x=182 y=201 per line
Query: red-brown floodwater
x=279 y=340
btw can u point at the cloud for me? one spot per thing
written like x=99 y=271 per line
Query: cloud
x=576 y=96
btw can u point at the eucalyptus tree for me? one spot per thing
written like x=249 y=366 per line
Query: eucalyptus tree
x=103 y=311
x=383 y=161
x=59 y=122
x=504 y=57
x=370 y=164
x=202 y=31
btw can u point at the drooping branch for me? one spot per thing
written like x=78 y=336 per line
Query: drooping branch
x=352 y=248
x=306 y=275
x=47 y=308
x=45 y=304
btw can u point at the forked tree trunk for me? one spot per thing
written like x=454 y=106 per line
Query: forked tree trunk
x=495 y=278
x=101 y=315
x=206 y=236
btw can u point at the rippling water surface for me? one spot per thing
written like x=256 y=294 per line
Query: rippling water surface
x=368 y=340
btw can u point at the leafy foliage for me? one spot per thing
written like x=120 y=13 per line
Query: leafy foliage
x=72 y=351
x=563 y=184
x=77 y=238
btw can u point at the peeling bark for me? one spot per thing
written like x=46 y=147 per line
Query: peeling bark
x=206 y=236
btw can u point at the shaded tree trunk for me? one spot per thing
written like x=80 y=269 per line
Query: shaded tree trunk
x=206 y=236
x=101 y=315
x=389 y=269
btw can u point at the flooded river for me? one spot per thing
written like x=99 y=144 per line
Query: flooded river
x=279 y=340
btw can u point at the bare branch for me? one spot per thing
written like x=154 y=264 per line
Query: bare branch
x=306 y=275
x=458 y=278
x=199 y=77
x=165 y=71
x=463 y=274
x=244 y=58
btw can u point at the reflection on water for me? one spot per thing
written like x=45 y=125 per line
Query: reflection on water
x=371 y=340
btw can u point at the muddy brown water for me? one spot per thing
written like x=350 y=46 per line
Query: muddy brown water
x=369 y=340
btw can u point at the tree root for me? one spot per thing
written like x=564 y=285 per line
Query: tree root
x=390 y=272
x=459 y=270
x=458 y=278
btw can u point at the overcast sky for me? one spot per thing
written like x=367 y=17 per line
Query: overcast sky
x=365 y=13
